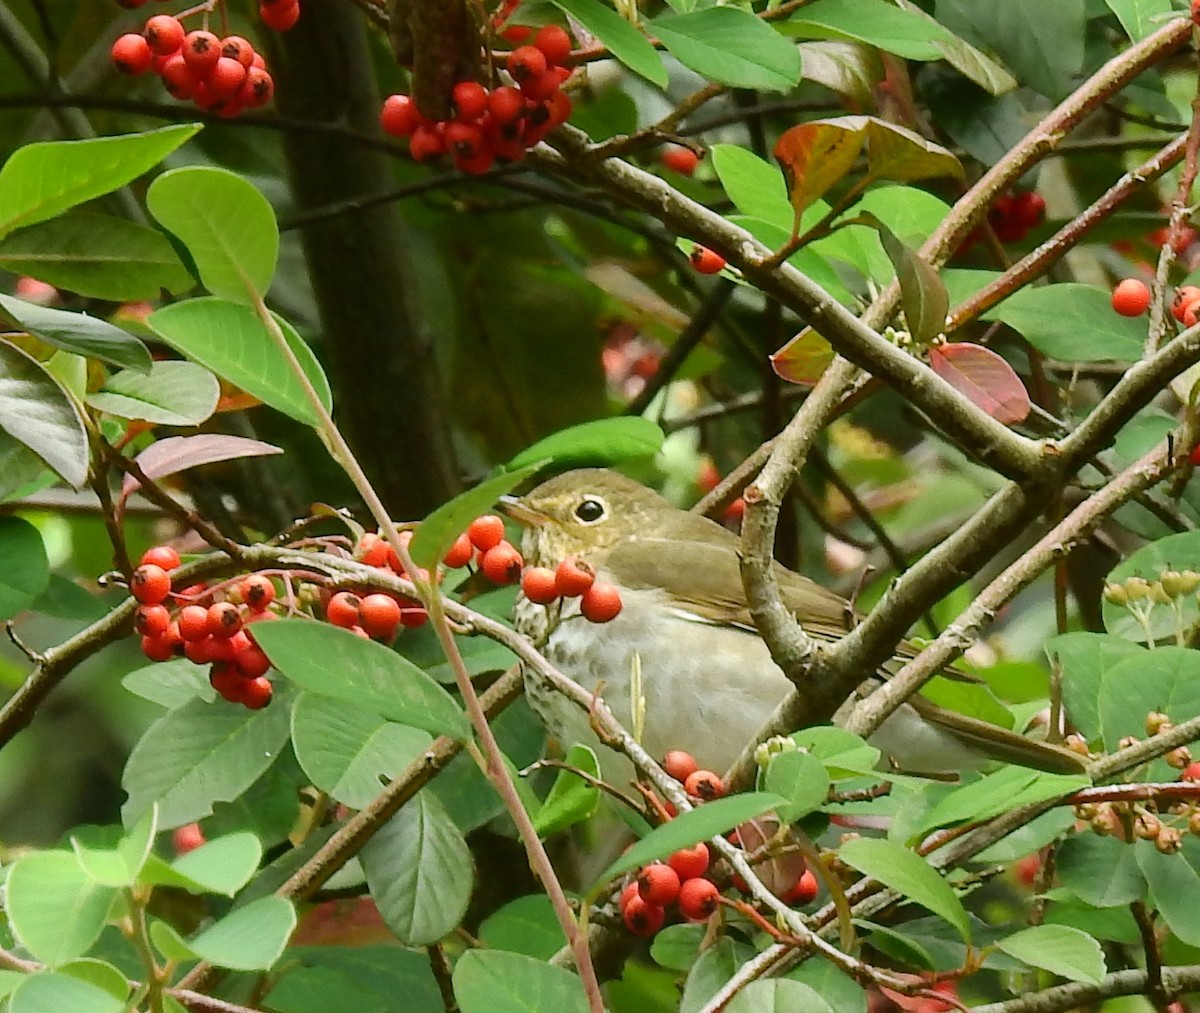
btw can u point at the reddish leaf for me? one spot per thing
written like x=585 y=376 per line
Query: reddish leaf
x=984 y=377
x=803 y=359
x=178 y=453
x=817 y=154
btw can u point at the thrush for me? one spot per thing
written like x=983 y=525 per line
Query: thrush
x=707 y=679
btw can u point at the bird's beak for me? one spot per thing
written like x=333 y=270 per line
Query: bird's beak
x=521 y=513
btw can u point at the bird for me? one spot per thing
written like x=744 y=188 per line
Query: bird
x=707 y=679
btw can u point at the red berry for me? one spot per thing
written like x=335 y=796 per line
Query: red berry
x=237 y=48
x=559 y=107
x=679 y=764
x=373 y=550
x=1131 y=297
x=193 y=623
x=1029 y=209
x=158 y=648
x=704 y=784
x=226 y=78
x=228 y=648
x=506 y=105
x=1191 y=772
x=554 y=43
x=256 y=591
x=164 y=34
x=698 y=899
x=258 y=89
x=477 y=162
x=1184 y=296
x=187 y=838
x=132 y=54
x=459 y=554
x=690 y=863
x=470 y=100
x=502 y=564
x=538 y=585
x=342 y=610
x=200 y=652
x=600 y=603
x=464 y=140
x=573 y=577
x=150 y=584
x=413 y=618
x=399 y=116
x=540 y=87
x=1196 y=11
x=224 y=619
x=803 y=891
x=151 y=620
x=279 y=16
x=658 y=884
x=256 y=693
x=517 y=33
x=426 y=142
x=379 y=616
x=252 y=662
x=227 y=681
x=178 y=78
x=202 y=50
x=642 y=919
x=526 y=62
x=706 y=261
x=256 y=617
x=681 y=160
x=486 y=532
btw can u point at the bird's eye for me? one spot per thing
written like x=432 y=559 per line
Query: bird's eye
x=591 y=510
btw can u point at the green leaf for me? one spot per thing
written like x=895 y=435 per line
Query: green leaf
x=345 y=749
x=200 y=754
x=119 y=867
x=1059 y=949
x=1007 y=789
x=526 y=925
x=174 y=393
x=602 y=442
x=79 y=333
x=336 y=663
x=54 y=993
x=99 y=973
x=55 y=909
x=849 y=68
x=755 y=186
x=800 y=778
x=1140 y=17
x=1174 y=887
x=171 y=683
x=687 y=828
x=438 y=531
x=1100 y=871
x=1166 y=679
x=221 y=866
x=909 y=874
x=623 y=40
x=98 y=256
x=249 y=938
x=21 y=470
x=169 y=943
x=226 y=224
x=778 y=996
x=492 y=981
x=965 y=58
x=231 y=341
x=1084 y=658
x=38 y=413
x=922 y=294
x=896 y=153
x=571 y=799
x=730 y=46
x=834 y=986
x=26 y=570
x=875 y=22
x=42 y=180
x=420 y=871
x=1072 y=322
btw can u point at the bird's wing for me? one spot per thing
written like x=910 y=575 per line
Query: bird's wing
x=705 y=578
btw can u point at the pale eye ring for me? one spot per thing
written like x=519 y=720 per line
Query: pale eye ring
x=591 y=510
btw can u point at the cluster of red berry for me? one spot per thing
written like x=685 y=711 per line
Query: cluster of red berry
x=216 y=634
x=501 y=123
x=1012 y=215
x=220 y=75
x=1131 y=298
x=681 y=880
x=679 y=159
x=573 y=578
